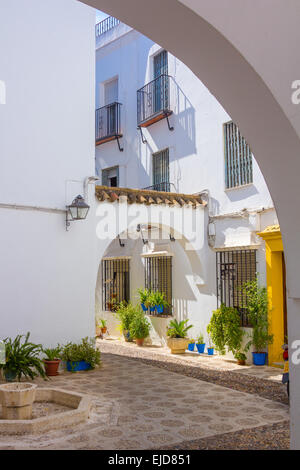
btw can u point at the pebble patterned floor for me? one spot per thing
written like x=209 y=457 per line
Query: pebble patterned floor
x=138 y=406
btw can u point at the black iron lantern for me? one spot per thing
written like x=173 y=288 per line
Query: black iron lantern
x=78 y=210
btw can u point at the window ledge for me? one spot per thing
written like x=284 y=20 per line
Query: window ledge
x=234 y=188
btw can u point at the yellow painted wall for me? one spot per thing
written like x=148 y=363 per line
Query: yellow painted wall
x=274 y=251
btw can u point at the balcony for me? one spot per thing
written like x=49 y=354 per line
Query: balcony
x=106 y=25
x=108 y=123
x=153 y=102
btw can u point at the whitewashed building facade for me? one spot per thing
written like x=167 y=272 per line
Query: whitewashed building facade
x=159 y=128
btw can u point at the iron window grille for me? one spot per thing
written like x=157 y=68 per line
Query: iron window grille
x=115 y=283
x=234 y=268
x=238 y=157
x=158 y=277
x=161 y=171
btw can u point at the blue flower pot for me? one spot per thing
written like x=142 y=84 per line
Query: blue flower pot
x=75 y=366
x=259 y=359
x=191 y=346
x=210 y=351
x=127 y=336
x=152 y=309
x=10 y=375
x=159 y=308
x=201 y=348
x=144 y=307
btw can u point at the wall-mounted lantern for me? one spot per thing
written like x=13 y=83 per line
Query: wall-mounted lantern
x=78 y=210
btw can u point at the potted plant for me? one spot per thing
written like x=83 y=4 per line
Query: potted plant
x=22 y=359
x=257 y=311
x=81 y=356
x=103 y=326
x=191 y=345
x=160 y=302
x=52 y=360
x=177 y=336
x=225 y=330
x=200 y=344
x=152 y=301
x=125 y=314
x=210 y=349
x=241 y=358
x=144 y=298
x=139 y=328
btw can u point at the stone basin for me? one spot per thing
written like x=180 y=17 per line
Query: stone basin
x=78 y=410
x=17 y=399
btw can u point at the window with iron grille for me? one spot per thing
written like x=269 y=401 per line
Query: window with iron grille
x=234 y=268
x=238 y=157
x=115 y=283
x=161 y=172
x=158 y=277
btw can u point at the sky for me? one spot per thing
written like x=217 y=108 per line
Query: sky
x=100 y=16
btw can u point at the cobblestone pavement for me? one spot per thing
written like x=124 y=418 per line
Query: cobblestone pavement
x=139 y=406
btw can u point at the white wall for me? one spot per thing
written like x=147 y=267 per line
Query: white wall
x=196 y=145
x=46 y=141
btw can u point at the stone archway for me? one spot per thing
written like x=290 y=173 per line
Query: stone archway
x=251 y=73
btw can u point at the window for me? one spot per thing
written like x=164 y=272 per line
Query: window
x=110 y=177
x=161 y=173
x=115 y=283
x=158 y=277
x=238 y=157
x=234 y=268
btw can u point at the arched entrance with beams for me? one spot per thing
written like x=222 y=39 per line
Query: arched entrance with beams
x=247 y=57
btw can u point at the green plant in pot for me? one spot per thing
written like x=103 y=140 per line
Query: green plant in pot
x=22 y=359
x=159 y=301
x=200 y=344
x=81 y=356
x=225 y=330
x=144 y=298
x=125 y=313
x=257 y=311
x=52 y=360
x=177 y=336
x=139 y=328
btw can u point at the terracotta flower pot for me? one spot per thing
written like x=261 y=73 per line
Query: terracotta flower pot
x=241 y=362
x=139 y=341
x=103 y=330
x=51 y=367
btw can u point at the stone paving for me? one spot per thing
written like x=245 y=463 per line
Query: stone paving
x=138 y=406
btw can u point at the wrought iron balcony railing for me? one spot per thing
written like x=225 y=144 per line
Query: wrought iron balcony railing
x=108 y=123
x=164 y=186
x=109 y=23
x=153 y=101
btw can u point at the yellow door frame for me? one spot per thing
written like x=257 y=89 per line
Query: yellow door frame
x=274 y=265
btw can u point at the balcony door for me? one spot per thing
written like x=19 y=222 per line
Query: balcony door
x=110 y=100
x=161 y=92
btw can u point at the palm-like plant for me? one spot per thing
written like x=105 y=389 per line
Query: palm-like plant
x=178 y=329
x=23 y=358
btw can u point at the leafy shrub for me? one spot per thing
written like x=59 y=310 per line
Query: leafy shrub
x=159 y=299
x=52 y=353
x=178 y=329
x=140 y=326
x=83 y=351
x=257 y=311
x=126 y=313
x=23 y=358
x=225 y=329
